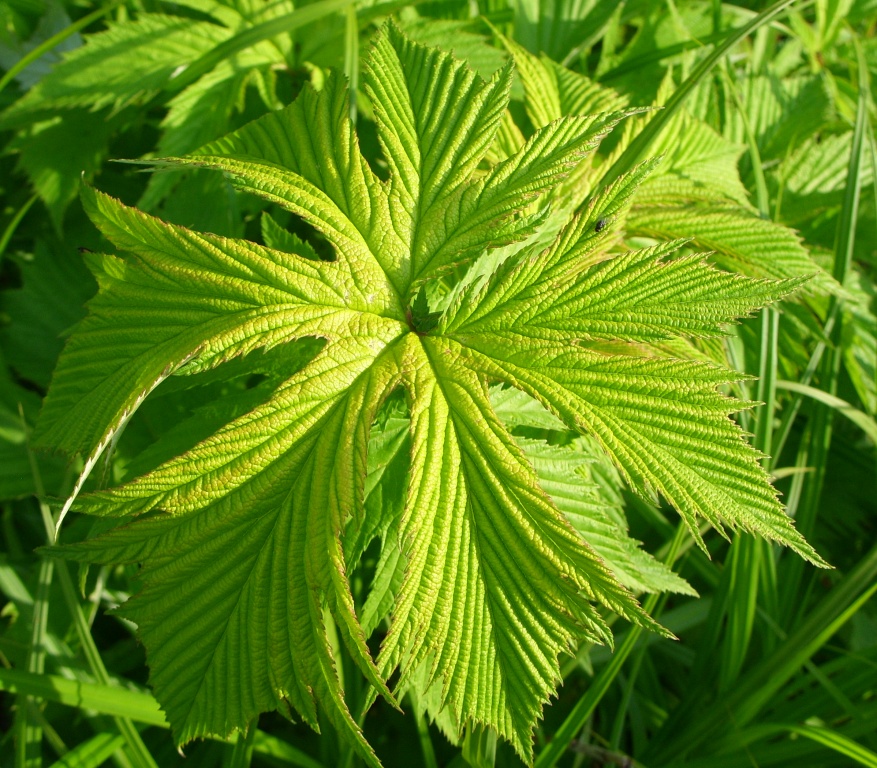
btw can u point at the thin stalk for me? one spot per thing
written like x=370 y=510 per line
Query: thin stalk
x=855 y=171
x=594 y=35
x=137 y=750
x=52 y=737
x=742 y=572
x=95 y=596
x=13 y=224
x=762 y=198
x=29 y=736
x=278 y=751
x=861 y=419
x=92 y=753
x=479 y=747
x=652 y=57
x=429 y=759
x=840 y=698
x=611 y=37
x=790 y=412
x=242 y=750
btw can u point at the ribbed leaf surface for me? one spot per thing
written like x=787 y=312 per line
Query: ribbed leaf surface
x=742 y=241
x=696 y=191
x=571 y=476
x=247 y=538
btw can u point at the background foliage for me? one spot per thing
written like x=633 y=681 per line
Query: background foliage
x=768 y=162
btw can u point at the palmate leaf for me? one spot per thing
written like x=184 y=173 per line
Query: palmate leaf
x=246 y=539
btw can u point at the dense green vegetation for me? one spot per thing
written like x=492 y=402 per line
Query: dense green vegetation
x=401 y=385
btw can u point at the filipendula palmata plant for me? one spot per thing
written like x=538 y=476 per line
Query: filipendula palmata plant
x=244 y=538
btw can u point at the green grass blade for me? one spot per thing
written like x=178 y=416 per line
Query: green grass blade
x=595 y=34
x=790 y=411
x=755 y=690
x=584 y=708
x=767 y=380
x=750 y=559
x=54 y=40
x=829 y=371
x=136 y=749
x=134 y=705
x=13 y=224
x=743 y=571
x=250 y=36
x=836 y=742
x=627 y=694
x=639 y=146
x=429 y=760
x=781 y=753
x=92 y=753
x=241 y=755
x=762 y=198
x=855 y=172
x=28 y=744
x=105 y=699
x=479 y=747
x=652 y=57
x=272 y=747
x=861 y=419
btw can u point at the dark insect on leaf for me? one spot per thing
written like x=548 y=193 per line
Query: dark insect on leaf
x=601 y=225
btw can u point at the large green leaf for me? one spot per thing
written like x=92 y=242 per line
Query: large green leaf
x=247 y=538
